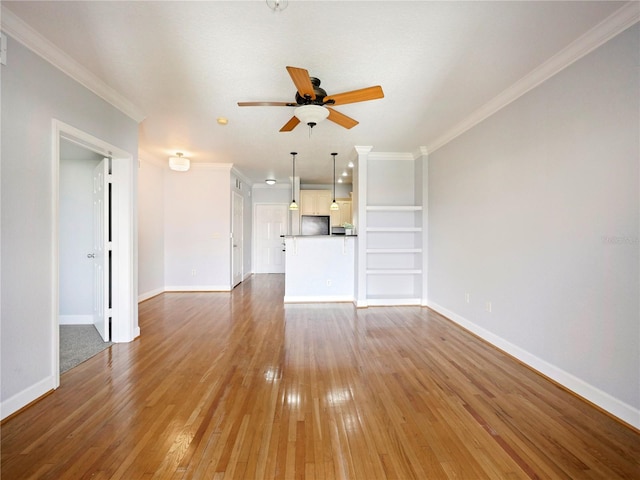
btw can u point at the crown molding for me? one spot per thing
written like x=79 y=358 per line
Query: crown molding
x=146 y=157
x=13 y=26
x=398 y=156
x=420 y=152
x=614 y=24
x=242 y=176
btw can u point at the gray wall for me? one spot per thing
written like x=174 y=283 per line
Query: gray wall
x=536 y=210
x=33 y=94
x=76 y=236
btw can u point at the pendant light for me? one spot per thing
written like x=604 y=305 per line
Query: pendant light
x=334 y=205
x=293 y=205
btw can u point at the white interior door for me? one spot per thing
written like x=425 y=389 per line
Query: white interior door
x=236 y=239
x=270 y=224
x=101 y=249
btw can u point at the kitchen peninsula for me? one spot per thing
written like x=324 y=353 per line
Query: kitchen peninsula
x=319 y=268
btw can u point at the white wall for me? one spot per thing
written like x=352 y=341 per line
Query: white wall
x=33 y=94
x=76 y=239
x=280 y=194
x=197 y=226
x=150 y=226
x=536 y=210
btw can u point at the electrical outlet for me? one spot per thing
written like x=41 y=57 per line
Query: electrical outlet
x=193 y=272
x=488 y=307
x=329 y=283
x=467 y=297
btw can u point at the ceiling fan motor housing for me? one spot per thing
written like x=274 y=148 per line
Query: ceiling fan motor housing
x=320 y=94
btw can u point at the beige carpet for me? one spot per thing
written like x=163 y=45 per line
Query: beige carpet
x=79 y=343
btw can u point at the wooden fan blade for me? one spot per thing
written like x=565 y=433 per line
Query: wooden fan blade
x=290 y=125
x=362 y=95
x=267 y=104
x=341 y=119
x=302 y=82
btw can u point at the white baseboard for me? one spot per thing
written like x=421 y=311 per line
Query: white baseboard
x=75 y=319
x=246 y=276
x=197 y=288
x=147 y=295
x=615 y=407
x=318 y=299
x=182 y=288
x=25 y=397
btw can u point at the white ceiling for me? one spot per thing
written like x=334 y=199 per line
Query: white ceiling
x=183 y=64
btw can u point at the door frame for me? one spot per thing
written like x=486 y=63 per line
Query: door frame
x=124 y=220
x=237 y=198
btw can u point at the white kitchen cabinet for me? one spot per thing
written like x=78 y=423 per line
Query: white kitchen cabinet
x=315 y=202
x=343 y=215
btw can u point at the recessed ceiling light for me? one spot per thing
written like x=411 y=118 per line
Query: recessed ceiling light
x=223 y=120
x=350 y=165
x=340 y=180
x=345 y=174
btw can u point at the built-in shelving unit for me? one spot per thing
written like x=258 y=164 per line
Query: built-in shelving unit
x=394 y=254
x=391 y=264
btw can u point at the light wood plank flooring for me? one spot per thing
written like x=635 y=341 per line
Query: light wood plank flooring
x=239 y=386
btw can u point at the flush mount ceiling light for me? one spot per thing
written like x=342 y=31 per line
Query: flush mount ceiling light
x=293 y=205
x=277 y=5
x=350 y=165
x=270 y=181
x=179 y=163
x=311 y=114
x=334 y=205
x=222 y=120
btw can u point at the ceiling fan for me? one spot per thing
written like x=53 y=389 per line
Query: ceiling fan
x=312 y=101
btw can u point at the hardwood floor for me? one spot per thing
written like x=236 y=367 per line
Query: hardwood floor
x=240 y=386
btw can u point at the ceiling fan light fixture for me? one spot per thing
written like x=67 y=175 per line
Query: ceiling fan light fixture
x=179 y=163
x=277 y=5
x=311 y=114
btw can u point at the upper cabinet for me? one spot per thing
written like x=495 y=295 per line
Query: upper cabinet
x=343 y=215
x=315 y=202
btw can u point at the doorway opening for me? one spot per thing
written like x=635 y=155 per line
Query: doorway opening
x=82 y=275
x=122 y=252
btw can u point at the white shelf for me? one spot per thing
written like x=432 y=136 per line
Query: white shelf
x=394 y=271
x=394 y=250
x=394 y=208
x=394 y=229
